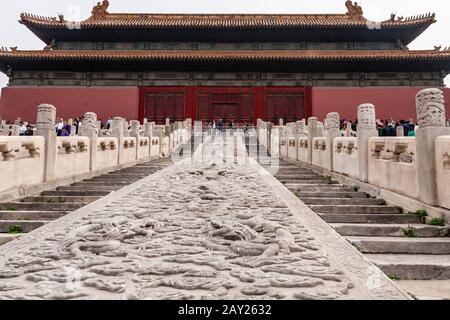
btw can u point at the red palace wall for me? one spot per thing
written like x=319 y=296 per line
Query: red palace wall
x=395 y=102
x=70 y=102
x=390 y=102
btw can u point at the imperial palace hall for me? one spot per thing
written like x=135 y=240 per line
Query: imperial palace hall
x=236 y=67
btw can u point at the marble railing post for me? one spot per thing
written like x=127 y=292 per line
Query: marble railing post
x=117 y=131
x=299 y=132
x=430 y=107
x=400 y=131
x=135 y=128
x=275 y=141
x=126 y=132
x=135 y=132
x=45 y=126
x=89 y=129
x=366 y=129
x=15 y=130
x=331 y=132
x=149 y=132
x=312 y=133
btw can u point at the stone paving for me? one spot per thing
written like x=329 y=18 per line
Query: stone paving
x=192 y=231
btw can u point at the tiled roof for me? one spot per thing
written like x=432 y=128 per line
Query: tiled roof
x=187 y=56
x=224 y=21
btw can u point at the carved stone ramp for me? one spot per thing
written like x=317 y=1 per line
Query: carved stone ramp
x=30 y=213
x=206 y=230
x=399 y=243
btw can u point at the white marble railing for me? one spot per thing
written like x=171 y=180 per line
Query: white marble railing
x=345 y=157
x=443 y=170
x=26 y=163
x=155 y=147
x=21 y=161
x=107 y=154
x=143 y=148
x=303 y=149
x=128 y=151
x=318 y=152
x=393 y=166
x=72 y=156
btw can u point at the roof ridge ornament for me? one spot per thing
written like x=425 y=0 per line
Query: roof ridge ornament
x=354 y=10
x=100 y=10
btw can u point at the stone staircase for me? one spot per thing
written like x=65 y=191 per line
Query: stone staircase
x=399 y=243
x=30 y=213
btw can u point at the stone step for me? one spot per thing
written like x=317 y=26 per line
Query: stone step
x=144 y=168
x=123 y=176
x=413 y=266
x=65 y=199
x=298 y=182
x=26 y=225
x=31 y=215
x=332 y=194
x=340 y=201
x=40 y=206
x=89 y=188
x=318 y=187
x=355 y=209
x=390 y=230
x=6 y=237
x=285 y=171
x=370 y=218
x=77 y=193
x=377 y=245
x=299 y=177
x=101 y=183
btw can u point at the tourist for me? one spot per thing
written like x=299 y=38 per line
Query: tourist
x=29 y=131
x=22 y=128
x=109 y=123
x=59 y=127
x=245 y=127
x=66 y=130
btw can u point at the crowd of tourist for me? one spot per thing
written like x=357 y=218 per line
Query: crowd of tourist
x=386 y=128
x=221 y=126
x=25 y=129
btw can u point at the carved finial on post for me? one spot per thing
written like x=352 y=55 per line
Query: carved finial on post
x=430 y=107
x=89 y=125
x=117 y=128
x=135 y=128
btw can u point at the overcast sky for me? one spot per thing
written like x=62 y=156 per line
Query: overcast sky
x=14 y=34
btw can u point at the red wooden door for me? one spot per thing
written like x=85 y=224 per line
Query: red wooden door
x=289 y=106
x=162 y=105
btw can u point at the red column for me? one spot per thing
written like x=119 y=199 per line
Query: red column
x=308 y=102
x=141 y=107
x=191 y=106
